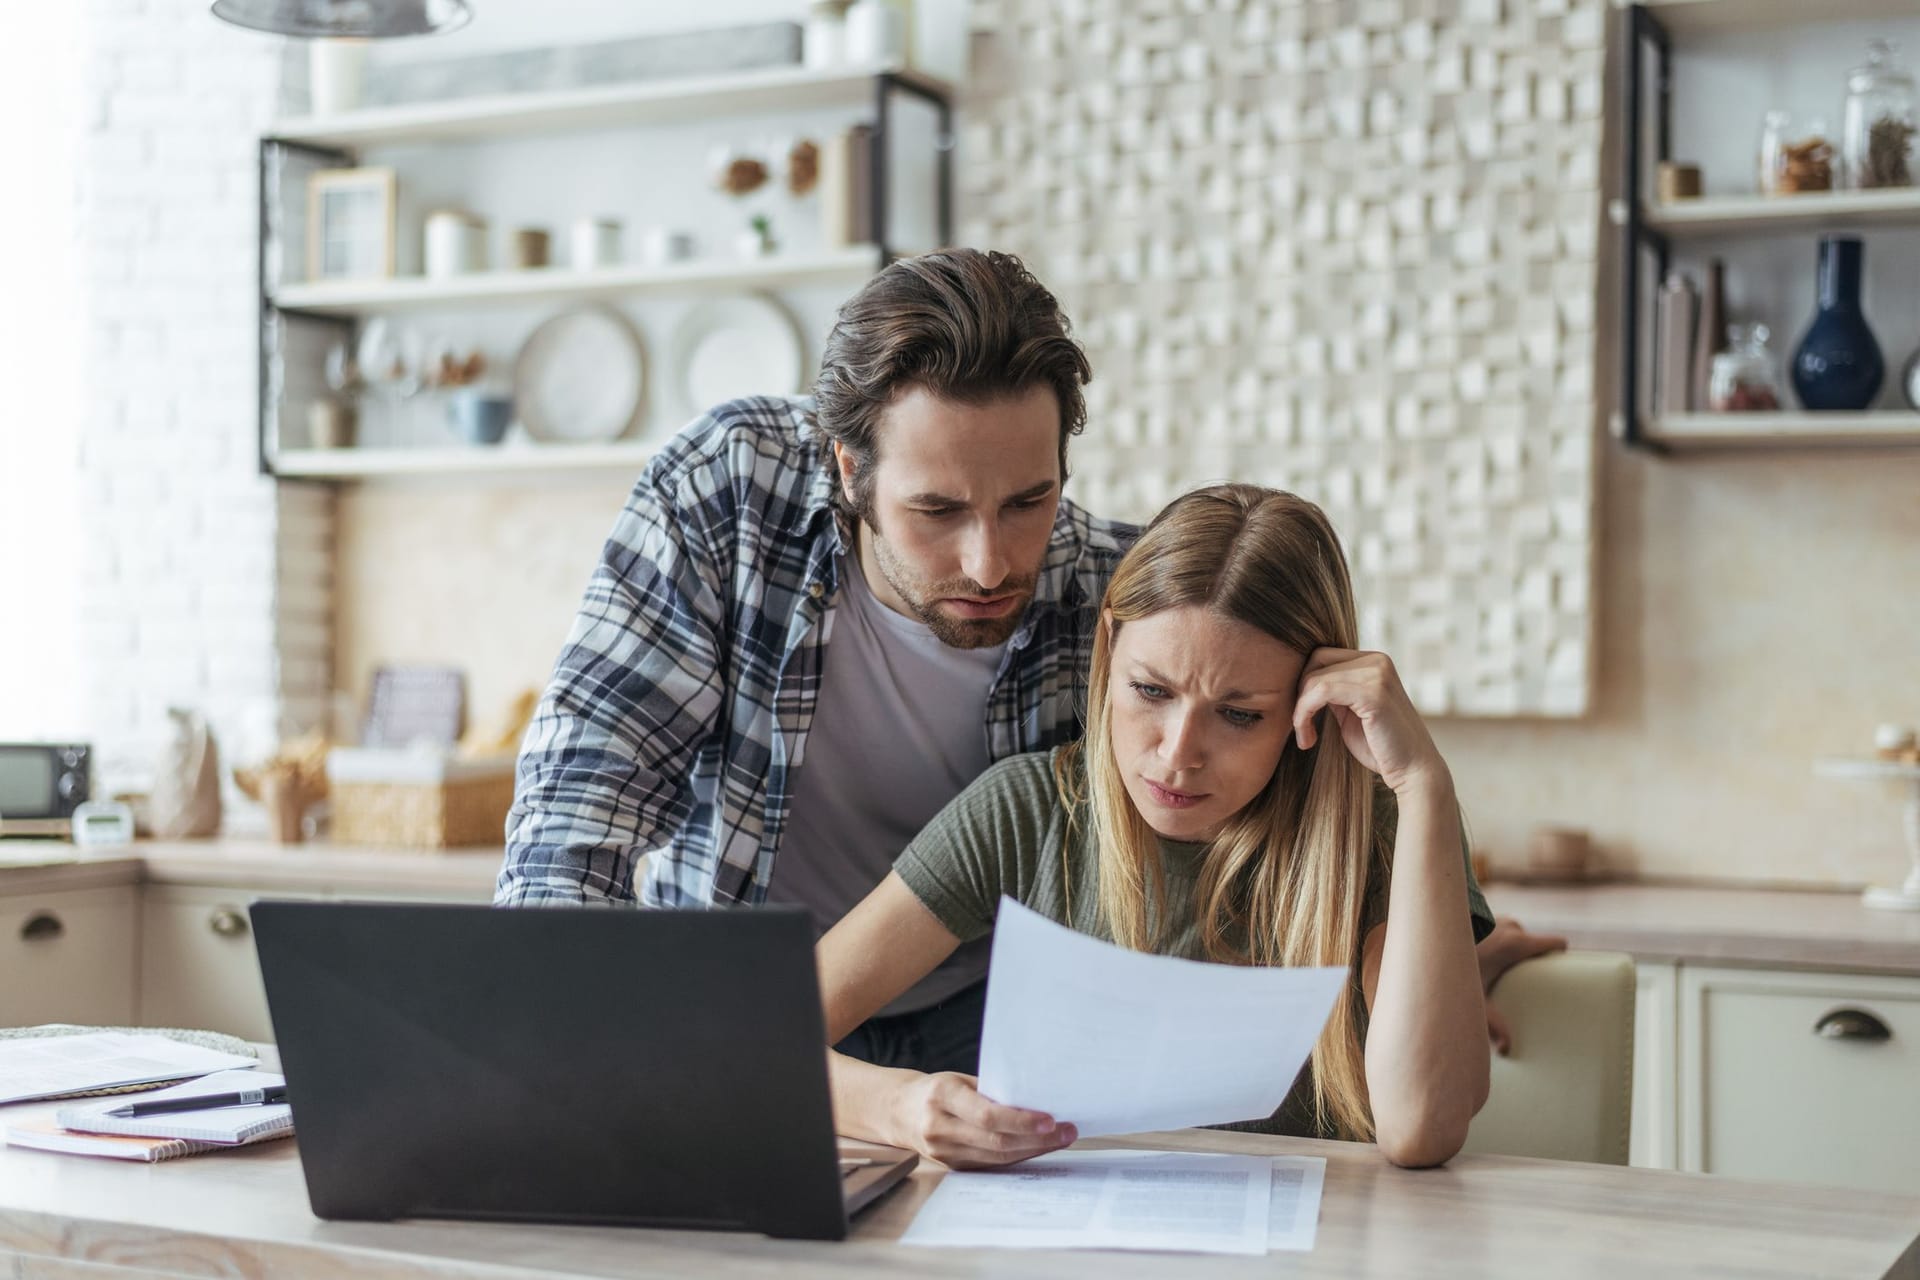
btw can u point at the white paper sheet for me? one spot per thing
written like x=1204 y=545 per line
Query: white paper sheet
x=1104 y=1200
x=43 y=1068
x=1293 y=1214
x=1117 y=1041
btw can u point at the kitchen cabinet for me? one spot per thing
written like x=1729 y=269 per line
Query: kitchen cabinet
x=197 y=962
x=1656 y=1064
x=1802 y=1077
x=67 y=955
x=197 y=966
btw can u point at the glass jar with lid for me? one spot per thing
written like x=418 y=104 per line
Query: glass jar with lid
x=1745 y=378
x=1795 y=156
x=1877 y=141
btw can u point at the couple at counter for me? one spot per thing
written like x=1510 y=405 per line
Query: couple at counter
x=858 y=654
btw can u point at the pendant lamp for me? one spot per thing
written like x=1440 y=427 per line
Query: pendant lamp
x=346 y=19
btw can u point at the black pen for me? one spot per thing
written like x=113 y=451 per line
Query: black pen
x=206 y=1102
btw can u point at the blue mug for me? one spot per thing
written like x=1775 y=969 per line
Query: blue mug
x=480 y=419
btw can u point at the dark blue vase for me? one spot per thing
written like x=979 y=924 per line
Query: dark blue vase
x=1838 y=364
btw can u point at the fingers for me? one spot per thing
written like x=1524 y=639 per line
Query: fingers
x=1328 y=656
x=965 y=1102
x=1498 y=1031
x=1538 y=944
x=963 y=1129
x=1339 y=677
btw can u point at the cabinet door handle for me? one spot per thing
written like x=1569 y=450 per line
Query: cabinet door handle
x=1852 y=1024
x=41 y=926
x=227 y=922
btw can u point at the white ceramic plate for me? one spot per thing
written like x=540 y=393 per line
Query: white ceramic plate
x=733 y=347
x=581 y=376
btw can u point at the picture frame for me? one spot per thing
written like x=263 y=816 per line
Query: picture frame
x=351 y=224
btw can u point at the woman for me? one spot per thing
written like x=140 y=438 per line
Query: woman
x=1210 y=812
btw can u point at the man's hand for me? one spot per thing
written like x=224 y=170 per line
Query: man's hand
x=945 y=1118
x=1499 y=951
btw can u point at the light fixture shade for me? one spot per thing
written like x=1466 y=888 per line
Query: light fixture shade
x=360 y=19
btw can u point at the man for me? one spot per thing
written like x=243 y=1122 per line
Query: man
x=815 y=622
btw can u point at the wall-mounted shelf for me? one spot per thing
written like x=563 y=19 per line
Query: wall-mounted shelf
x=352 y=297
x=329 y=312
x=507 y=459
x=602 y=107
x=1687 y=431
x=1687 y=18
x=1769 y=215
x=1642 y=100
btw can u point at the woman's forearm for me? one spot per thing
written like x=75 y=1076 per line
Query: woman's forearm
x=1426 y=1053
x=866 y=1098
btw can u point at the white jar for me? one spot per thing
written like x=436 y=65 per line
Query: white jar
x=595 y=243
x=876 y=34
x=336 y=75
x=456 y=243
x=663 y=246
x=824 y=46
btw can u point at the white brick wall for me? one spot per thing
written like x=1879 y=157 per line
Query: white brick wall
x=205 y=586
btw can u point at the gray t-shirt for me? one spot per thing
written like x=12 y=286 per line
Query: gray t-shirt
x=1010 y=833
x=899 y=731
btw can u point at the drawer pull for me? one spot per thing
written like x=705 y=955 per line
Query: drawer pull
x=41 y=926
x=1852 y=1024
x=227 y=922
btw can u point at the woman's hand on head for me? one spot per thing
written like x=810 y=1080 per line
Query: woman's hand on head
x=1375 y=717
x=944 y=1117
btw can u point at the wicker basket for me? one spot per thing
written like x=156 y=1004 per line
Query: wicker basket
x=416 y=801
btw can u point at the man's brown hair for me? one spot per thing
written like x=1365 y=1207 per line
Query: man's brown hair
x=969 y=325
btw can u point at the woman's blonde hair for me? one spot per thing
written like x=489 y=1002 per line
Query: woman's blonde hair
x=1285 y=882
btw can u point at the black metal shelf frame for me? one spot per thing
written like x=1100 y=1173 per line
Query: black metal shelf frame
x=272 y=315
x=1637 y=237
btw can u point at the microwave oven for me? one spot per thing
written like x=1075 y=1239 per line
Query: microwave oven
x=41 y=784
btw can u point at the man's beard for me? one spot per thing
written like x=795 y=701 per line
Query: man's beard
x=923 y=597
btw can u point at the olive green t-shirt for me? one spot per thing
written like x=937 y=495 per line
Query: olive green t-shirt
x=1008 y=833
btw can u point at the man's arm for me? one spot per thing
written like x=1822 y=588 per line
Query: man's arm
x=604 y=770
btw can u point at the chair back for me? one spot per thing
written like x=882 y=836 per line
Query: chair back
x=1565 y=1089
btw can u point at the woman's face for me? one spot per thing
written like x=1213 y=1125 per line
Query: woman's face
x=1201 y=709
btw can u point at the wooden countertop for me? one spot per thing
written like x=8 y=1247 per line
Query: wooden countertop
x=245 y=1213
x=28 y=866
x=1771 y=928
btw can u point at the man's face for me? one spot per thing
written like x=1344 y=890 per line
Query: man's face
x=962 y=504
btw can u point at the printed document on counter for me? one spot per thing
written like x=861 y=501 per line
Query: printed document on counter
x=1293 y=1213
x=1105 y=1200
x=54 y=1065
x=1118 y=1041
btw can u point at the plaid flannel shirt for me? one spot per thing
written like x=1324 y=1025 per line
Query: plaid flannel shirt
x=677 y=716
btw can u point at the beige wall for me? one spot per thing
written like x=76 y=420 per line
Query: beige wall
x=484 y=578
x=1754 y=613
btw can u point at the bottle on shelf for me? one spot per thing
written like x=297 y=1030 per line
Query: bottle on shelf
x=1709 y=333
x=1838 y=364
x=1878 y=133
x=1746 y=377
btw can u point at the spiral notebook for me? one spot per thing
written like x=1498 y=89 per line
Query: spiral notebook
x=45 y=1135
x=222 y=1126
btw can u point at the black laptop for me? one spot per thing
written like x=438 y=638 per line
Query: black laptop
x=645 y=1068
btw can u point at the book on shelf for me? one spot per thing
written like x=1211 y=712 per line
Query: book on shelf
x=846 y=188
